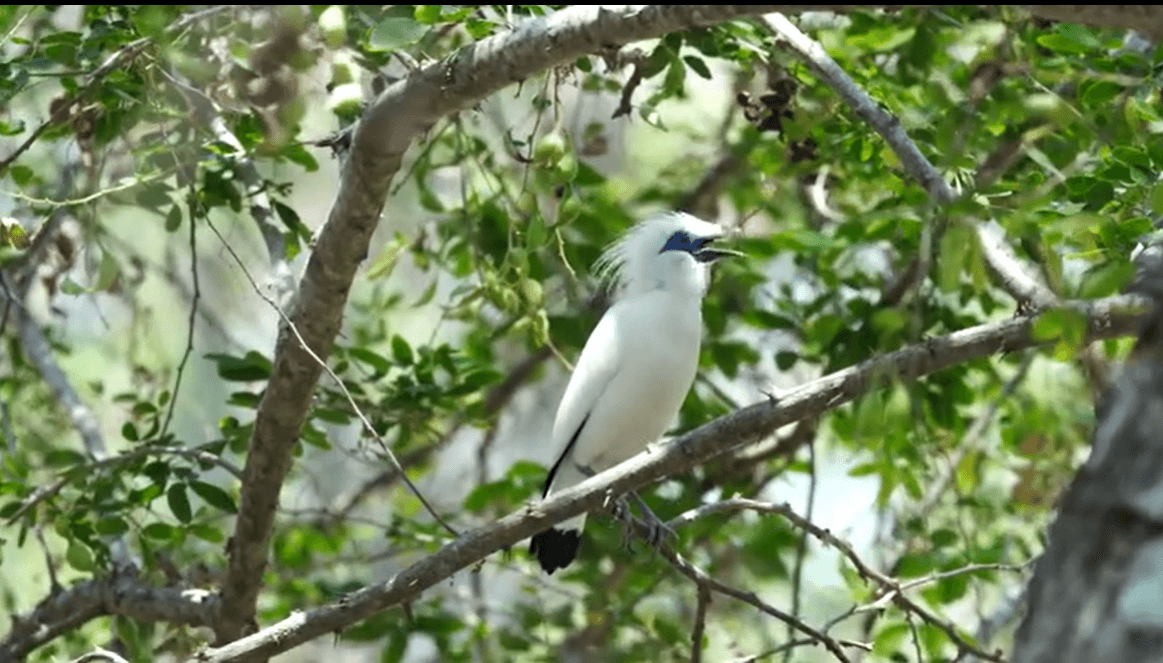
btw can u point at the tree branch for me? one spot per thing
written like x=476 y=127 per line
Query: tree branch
x=1108 y=318
x=706 y=582
x=1142 y=18
x=392 y=122
x=121 y=594
x=119 y=58
x=36 y=347
x=1097 y=590
x=1013 y=275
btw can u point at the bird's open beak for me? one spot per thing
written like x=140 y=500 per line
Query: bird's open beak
x=708 y=254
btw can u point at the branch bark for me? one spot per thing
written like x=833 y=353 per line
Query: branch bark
x=1147 y=19
x=393 y=121
x=1014 y=276
x=121 y=594
x=1108 y=318
x=1097 y=591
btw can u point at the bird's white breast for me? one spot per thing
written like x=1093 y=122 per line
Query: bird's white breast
x=658 y=335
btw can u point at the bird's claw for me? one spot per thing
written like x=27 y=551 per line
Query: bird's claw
x=657 y=532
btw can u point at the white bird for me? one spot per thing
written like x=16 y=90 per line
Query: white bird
x=638 y=364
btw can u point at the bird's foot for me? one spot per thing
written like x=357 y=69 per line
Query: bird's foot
x=657 y=531
x=616 y=506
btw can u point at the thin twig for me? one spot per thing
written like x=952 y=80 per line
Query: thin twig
x=892 y=590
x=792 y=644
x=1013 y=275
x=701 y=579
x=200 y=455
x=704 y=600
x=54 y=584
x=802 y=547
x=193 y=313
x=119 y=58
x=342 y=387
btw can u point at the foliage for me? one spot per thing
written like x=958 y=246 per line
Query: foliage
x=1053 y=131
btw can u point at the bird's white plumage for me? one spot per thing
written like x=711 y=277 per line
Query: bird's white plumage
x=639 y=362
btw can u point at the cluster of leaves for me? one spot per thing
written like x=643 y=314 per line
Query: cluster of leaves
x=502 y=255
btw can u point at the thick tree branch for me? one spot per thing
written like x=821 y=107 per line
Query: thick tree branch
x=121 y=594
x=1147 y=19
x=1108 y=318
x=393 y=121
x=36 y=347
x=1097 y=591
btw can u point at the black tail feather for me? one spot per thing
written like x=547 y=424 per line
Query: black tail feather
x=555 y=548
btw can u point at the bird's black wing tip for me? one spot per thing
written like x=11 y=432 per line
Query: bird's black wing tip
x=555 y=548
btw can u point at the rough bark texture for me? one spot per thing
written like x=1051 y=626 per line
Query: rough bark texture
x=391 y=124
x=122 y=594
x=1147 y=19
x=1116 y=316
x=1097 y=592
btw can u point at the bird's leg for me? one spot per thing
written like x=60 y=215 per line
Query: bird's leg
x=616 y=506
x=657 y=530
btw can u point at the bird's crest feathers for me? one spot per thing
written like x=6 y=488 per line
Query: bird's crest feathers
x=625 y=264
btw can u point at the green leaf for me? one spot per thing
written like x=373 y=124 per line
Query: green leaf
x=1106 y=279
x=1100 y=92
x=207 y=533
x=214 y=496
x=107 y=272
x=159 y=531
x=1067 y=327
x=20 y=174
x=427 y=14
x=1061 y=43
x=179 y=502
x=80 y=557
x=63 y=458
x=296 y=153
x=174 y=219
x=154 y=196
x=401 y=351
x=955 y=246
x=253 y=366
x=394 y=32
x=785 y=359
x=111 y=526
x=386 y=261
x=1157 y=199
x=377 y=362
x=698 y=66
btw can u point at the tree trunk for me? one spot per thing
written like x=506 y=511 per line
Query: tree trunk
x=1097 y=592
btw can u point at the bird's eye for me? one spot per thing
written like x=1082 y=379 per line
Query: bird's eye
x=679 y=241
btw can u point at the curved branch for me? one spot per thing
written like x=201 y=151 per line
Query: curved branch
x=1013 y=275
x=1115 y=316
x=122 y=594
x=392 y=122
